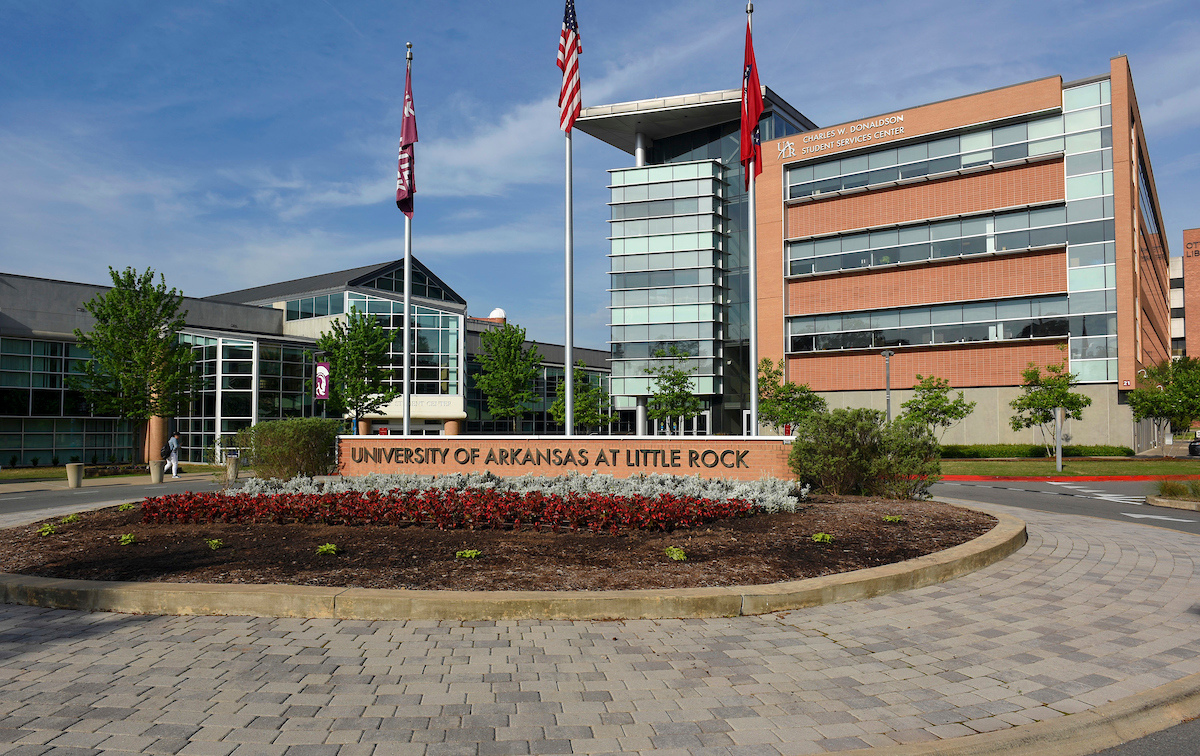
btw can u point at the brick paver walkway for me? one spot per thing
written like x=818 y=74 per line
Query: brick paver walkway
x=1089 y=611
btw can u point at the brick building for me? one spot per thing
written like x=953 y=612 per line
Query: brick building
x=970 y=237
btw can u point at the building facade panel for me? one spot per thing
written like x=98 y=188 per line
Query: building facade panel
x=1191 y=291
x=962 y=365
x=1041 y=272
x=1016 y=186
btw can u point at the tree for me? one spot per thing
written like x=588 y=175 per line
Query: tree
x=783 y=403
x=355 y=350
x=508 y=373
x=591 y=401
x=139 y=369
x=1041 y=394
x=673 y=395
x=931 y=405
x=1169 y=394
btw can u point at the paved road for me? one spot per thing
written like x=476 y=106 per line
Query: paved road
x=25 y=505
x=1088 y=612
x=1116 y=500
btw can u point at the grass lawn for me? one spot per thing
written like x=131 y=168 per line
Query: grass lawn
x=1116 y=466
x=26 y=474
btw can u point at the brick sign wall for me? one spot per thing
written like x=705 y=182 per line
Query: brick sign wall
x=709 y=457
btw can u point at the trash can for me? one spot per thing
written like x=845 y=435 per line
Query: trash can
x=74 y=474
x=156 y=470
x=231 y=466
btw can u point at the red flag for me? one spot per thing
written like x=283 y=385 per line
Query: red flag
x=405 y=172
x=570 y=97
x=752 y=108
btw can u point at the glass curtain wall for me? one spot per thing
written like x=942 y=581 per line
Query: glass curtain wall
x=537 y=419
x=41 y=419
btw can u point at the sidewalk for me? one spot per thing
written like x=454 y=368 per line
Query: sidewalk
x=116 y=480
x=1087 y=613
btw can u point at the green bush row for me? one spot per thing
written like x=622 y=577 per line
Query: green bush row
x=857 y=452
x=985 y=451
x=287 y=448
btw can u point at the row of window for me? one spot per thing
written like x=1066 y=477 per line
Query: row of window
x=316 y=307
x=957 y=313
x=804 y=260
x=422 y=285
x=662 y=208
x=644 y=350
x=666 y=332
x=670 y=172
x=664 y=314
x=677 y=295
x=665 y=243
x=680 y=224
x=702 y=258
x=660 y=279
x=637 y=368
x=999 y=145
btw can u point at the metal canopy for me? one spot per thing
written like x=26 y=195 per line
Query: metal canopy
x=667 y=116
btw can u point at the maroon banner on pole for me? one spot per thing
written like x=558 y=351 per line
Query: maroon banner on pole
x=321 y=381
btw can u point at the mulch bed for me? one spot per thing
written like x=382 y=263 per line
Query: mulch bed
x=754 y=550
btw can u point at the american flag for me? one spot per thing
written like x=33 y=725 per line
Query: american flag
x=752 y=109
x=406 y=170
x=569 y=49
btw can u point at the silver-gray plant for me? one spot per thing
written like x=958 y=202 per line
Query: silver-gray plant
x=769 y=494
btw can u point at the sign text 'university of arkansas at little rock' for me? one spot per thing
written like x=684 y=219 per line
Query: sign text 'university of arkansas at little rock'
x=519 y=456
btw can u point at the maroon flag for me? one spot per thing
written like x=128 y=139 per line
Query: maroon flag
x=752 y=108
x=570 y=97
x=405 y=173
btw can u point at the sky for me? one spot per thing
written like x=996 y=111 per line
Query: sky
x=234 y=144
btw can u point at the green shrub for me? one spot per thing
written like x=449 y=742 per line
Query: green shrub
x=128 y=539
x=1179 y=489
x=1026 y=451
x=856 y=452
x=287 y=448
x=329 y=549
x=468 y=554
x=675 y=553
x=822 y=538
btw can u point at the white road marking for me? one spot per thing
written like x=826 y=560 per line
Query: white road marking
x=13 y=498
x=1154 y=517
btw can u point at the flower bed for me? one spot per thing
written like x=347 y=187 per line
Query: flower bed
x=448 y=508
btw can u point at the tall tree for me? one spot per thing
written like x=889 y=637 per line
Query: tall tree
x=356 y=348
x=138 y=369
x=508 y=372
x=674 y=396
x=1041 y=394
x=592 y=401
x=933 y=407
x=1169 y=394
x=783 y=403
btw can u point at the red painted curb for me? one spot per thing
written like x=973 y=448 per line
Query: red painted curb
x=1066 y=478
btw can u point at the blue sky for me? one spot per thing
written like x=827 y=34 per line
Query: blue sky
x=232 y=144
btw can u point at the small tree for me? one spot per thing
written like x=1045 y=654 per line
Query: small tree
x=932 y=406
x=508 y=373
x=591 y=401
x=673 y=395
x=782 y=403
x=139 y=369
x=355 y=349
x=1042 y=394
x=1169 y=395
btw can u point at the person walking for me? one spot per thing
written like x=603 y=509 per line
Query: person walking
x=173 y=460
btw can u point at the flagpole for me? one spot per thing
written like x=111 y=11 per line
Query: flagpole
x=407 y=294
x=568 y=350
x=753 y=272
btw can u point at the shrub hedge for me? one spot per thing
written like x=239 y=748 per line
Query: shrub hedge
x=857 y=452
x=287 y=448
x=986 y=451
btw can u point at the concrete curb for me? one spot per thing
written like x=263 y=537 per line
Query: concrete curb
x=1080 y=734
x=1160 y=501
x=377 y=604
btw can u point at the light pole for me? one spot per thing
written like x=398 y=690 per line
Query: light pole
x=887 y=379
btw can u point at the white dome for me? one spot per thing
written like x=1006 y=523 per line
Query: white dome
x=498 y=313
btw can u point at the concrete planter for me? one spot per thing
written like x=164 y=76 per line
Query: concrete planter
x=156 y=470
x=74 y=474
x=1159 y=501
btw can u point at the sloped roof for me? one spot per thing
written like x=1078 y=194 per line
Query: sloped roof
x=278 y=292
